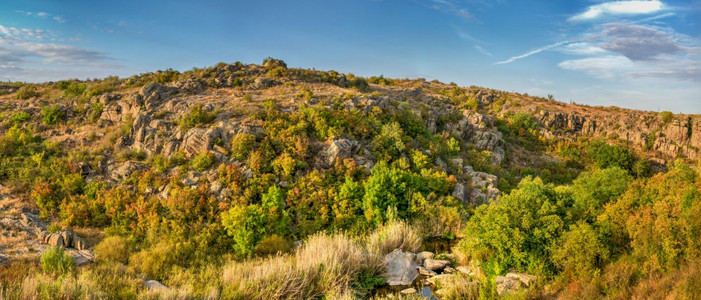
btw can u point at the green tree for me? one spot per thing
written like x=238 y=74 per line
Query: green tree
x=579 y=252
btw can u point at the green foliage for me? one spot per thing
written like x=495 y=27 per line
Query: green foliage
x=71 y=87
x=271 y=245
x=51 y=115
x=390 y=141
x=26 y=91
x=592 y=191
x=196 y=117
x=579 y=252
x=518 y=231
x=96 y=112
x=56 y=261
x=19 y=117
x=203 y=161
x=522 y=122
x=241 y=145
x=605 y=155
x=667 y=117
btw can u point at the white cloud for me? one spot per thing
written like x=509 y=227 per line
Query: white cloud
x=619 y=8
x=582 y=49
x=42 y=15
x=603 y=67
x=536 y=51
x=639 y=42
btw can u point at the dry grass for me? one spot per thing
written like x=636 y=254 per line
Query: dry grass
x=396 y=235
x=326 y=265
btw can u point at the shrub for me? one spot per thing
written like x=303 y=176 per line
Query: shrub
x=56 y=261
x=273 y=244
x=197 y=116
x=51 y=115
x=19 y=117
x=113 y=249
x=26 y=91
x=395 y=235
x=667 y=117
x=241 y=145
x=203 y=161
x=97 y=108
x=605 y=155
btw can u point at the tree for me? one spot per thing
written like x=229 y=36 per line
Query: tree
x=579 y=252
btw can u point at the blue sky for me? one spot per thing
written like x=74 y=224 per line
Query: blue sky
x=635 y=54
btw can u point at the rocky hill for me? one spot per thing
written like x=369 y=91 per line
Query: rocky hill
x=236 y=134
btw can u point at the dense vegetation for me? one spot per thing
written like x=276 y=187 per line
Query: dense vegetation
x=595 y=223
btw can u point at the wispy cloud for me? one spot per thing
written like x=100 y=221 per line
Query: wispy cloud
x=602 y=67
x=619 y=8
x=448 y=6
x=42 y=15
x=639 y=42
x=477 y=44
x=536 y=51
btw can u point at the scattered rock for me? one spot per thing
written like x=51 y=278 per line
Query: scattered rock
x=423 y=255
x=435 y=264
x=400 y=268
x=465 y=270
x=526 y=279
x=426 y=272
x=340 y=149
x=507 y=284
x=448 y=270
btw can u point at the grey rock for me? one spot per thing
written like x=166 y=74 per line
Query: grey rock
x=507 y=285
x=423 y=255
x=526 y=279
x=153 y=285
x=400 y=268
x=435 y=264
x=426 y=272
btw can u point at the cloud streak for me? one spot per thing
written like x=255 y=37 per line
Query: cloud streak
x=536 y=51
x=619 y=8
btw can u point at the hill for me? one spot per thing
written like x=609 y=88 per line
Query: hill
x=195 y=179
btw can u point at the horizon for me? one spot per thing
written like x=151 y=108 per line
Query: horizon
x=628 y=54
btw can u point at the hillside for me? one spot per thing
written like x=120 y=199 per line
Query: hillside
x=186 y=185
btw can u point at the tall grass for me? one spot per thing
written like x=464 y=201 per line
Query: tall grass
x=395 y=235
x=326 y=265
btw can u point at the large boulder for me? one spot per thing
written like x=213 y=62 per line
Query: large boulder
x=340 y=149
x=400 y=268
x=153 y=285
x=198 y=140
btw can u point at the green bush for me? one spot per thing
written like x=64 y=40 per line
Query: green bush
x=56 y=261
x=19 y=117
x=271 y=245
x=241 y=145
x=71 y=87
x=51 y=115
x=605 y=155
x=197 y=116
x=97 y=108
x=667 y=117
x=203 y=161
x=25 y=92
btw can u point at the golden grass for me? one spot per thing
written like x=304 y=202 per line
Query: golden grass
x=395 y=235
x=326 y=265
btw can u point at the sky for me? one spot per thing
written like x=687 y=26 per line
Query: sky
x=634 y=54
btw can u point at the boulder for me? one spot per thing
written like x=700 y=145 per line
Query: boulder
x=438 y=279
x=409 y=291
x=81 y=257
x=526 y=279
x=400 y=268
x=465 y=270
x=423 y=255
x=198 y=140
x=435 y=264
x=153 y=285
x=340 y=149
x=460 y=192
x=507 y=284
x=448 y=270
x=78 y=243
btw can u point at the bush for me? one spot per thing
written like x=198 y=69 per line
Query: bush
x=197 y=116
x=273 y=244
x=113 y=249
x=19 y=117
x=667 y=117
x=605 y=155
x=203 y=161
x=51 y=115
x=56 y=261
x=25 y=92
x=241 y=145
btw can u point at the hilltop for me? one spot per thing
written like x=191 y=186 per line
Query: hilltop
x=191 y=178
